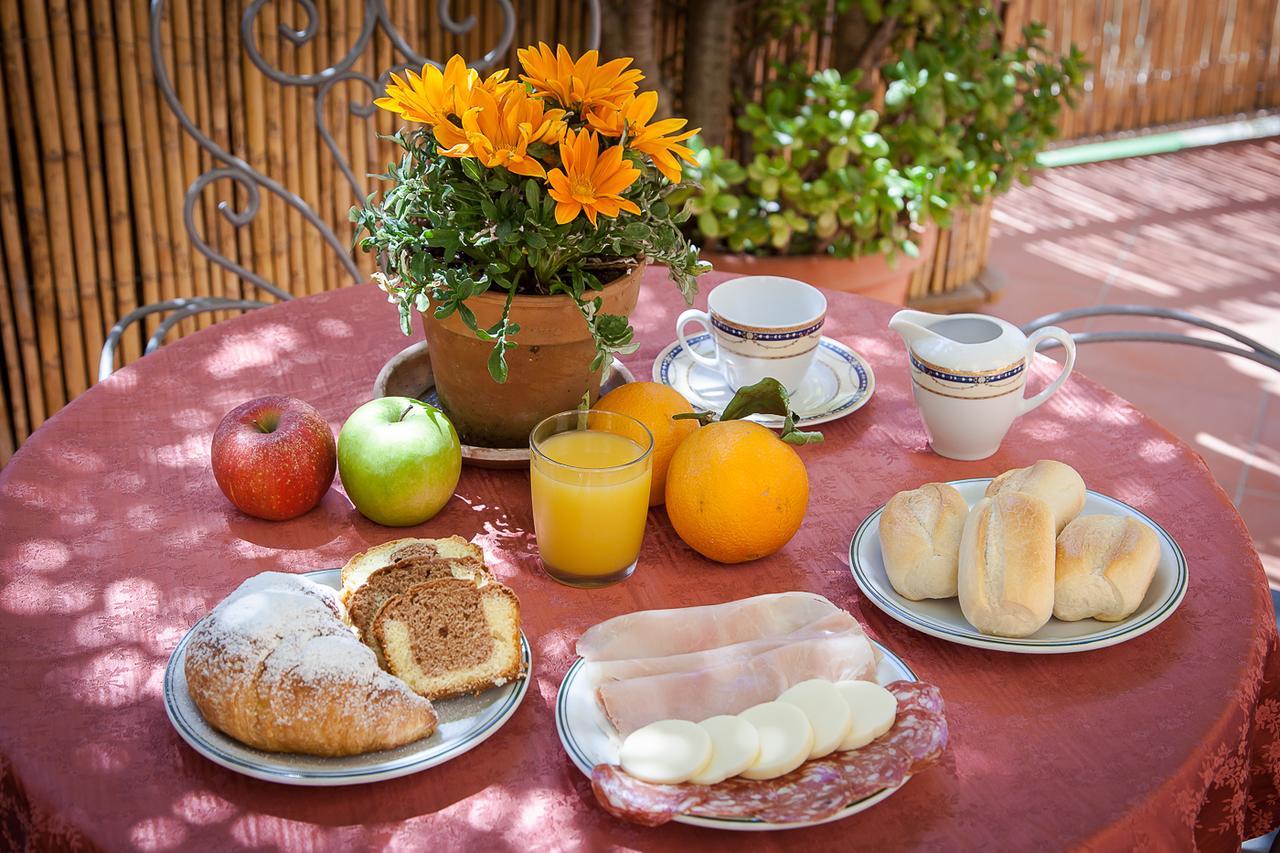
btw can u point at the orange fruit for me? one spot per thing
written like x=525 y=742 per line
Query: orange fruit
x=736 y=492
x=653 y=404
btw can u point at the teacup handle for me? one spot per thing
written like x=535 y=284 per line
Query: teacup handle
x=1049 y=333
x=693 y=315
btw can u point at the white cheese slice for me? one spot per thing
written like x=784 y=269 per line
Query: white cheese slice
x=735 y=743
x=827 y=711
x=874 y=710
x=785 y=739
x=666 y=752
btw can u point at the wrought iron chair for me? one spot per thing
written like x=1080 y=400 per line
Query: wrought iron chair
x=1252 y=350
x=227 y=166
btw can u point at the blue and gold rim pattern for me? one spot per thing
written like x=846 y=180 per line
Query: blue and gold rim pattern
x=985 y=378
x=579 y=756
x=748 y=334
x=943 y=630
x=441 y=753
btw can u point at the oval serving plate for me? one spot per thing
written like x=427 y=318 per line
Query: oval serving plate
x=942 y=618
x=590 y=739
x=465 y=723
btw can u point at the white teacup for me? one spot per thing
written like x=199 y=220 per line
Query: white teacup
x=761 y=325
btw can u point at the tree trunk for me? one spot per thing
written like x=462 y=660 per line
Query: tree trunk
x=708 y=52
x=629 y=29
x=858 y=44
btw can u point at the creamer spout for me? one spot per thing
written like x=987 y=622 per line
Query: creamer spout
x=907 y=323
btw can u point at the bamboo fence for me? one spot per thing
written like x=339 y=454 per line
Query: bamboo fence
x=94 y=166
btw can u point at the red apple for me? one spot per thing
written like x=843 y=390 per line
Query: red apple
x=274 y=457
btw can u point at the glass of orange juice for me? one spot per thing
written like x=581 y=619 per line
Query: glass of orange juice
x=590 y=473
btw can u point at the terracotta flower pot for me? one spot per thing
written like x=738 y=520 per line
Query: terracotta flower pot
x=549 y=370
x=870 y=276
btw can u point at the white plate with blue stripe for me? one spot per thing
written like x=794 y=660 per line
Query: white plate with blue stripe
x=839 y=383
x=465 y=723
x=942 y=618
x=590 y=739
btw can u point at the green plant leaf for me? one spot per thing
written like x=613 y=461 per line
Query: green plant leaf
x=768 y=397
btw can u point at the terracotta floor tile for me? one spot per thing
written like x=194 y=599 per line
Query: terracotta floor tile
x=1264 y=458
x=1261 y=514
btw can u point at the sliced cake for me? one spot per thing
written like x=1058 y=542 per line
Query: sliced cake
x=383 y=583
x=449 y=637
x=359 y=567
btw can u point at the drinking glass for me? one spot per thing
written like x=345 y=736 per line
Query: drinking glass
x=589 y=472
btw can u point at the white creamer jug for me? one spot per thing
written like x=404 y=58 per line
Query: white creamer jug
x=968 y=372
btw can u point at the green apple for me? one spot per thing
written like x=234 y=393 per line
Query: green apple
x=399 y=460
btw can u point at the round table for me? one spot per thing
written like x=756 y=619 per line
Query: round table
x=114 y=540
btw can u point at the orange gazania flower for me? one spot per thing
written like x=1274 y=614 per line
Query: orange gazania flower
x=498 y=130
x=581 y=85
x=591 y=181
x=436 y=96
x=651 y=139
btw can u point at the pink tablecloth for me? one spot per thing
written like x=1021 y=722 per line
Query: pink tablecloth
x=114 y=539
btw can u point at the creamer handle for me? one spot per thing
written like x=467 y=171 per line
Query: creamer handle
x=1046 y=334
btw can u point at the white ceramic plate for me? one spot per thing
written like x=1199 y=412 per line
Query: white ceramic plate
x=465 y=723
x=590 y=739
x=942 y=617
x=839 y=382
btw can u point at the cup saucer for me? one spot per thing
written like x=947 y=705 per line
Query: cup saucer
x=839 y=382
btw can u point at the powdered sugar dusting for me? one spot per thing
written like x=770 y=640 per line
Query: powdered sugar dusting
x=311 y=667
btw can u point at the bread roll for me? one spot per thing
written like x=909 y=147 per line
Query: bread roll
x=1105 y=565
x=275 y=667
x=1005 y=576
x=1055 y=483
x=920 y=540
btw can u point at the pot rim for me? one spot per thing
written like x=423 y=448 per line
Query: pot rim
x=926 y=235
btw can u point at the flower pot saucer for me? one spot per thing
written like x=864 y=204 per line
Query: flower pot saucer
x=408 y=374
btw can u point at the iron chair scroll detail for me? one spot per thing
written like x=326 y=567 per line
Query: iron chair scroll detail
x=229 y=167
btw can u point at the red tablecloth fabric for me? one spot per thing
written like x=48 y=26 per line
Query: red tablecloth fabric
x=114 y=539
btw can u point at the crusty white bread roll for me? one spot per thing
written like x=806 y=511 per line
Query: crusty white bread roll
x=275 y=667
x=1005 y=576
x=1105 y=564
x=920 y=540
x=1055 y=483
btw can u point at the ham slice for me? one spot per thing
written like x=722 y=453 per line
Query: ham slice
x=836 y=623
x=659 y=633
x=736 y=683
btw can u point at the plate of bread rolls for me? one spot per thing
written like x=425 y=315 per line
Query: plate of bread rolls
x=408 y=657
x=1031 y=561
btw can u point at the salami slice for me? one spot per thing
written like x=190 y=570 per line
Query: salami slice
x=916 y=695
x=811 y=792
x=919 y=734
x=644 y=803
x=873 y=768
x=814 y=791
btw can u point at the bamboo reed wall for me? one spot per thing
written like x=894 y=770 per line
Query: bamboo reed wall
x=94 y=166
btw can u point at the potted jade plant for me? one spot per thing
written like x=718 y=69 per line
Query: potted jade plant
x=517 y=225
x=843 y=175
